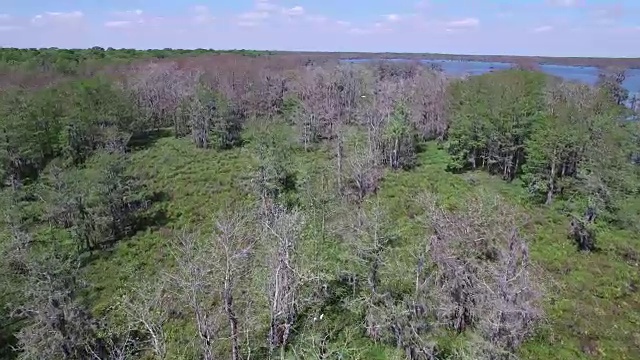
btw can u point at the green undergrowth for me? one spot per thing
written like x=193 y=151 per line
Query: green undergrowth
x=591 y=301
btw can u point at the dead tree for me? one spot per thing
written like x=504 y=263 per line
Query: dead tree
x=282 y=229
x=319 y=110
x=361 y=171
x=273 y=175
x=201 y=111
x=371 y=236
x=374 y=115
x=209 y=277
x=399 y=146
x=234 y=246
x=412 y=324
x=484 y=273
x=611 y=80
x=339 y=147
x=513 y=306
x=147 y=307
x=158 y=90
x=428 y=104
x=193 y=281
x=581 y=231
x=350 y=80
x=57 y=325
x=400 y=320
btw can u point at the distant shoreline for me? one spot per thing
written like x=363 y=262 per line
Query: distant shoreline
x=630 y=63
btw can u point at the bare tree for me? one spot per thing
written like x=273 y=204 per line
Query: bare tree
x=319 y=105
x=158 y=90
x=374 y=115
x=428 y=104
x=147 y=306
x=323 y=341
x=234 y=245
x=270 y=93
x=210 y=276
x=282 y=230
x=403 y=320
x=484 y=273
x=399 y=146
x=371 y=236
x=201 y=112
x=610 y=80
x=362 y=171
x=273 y=176
x=193 y=279
x=57 y=325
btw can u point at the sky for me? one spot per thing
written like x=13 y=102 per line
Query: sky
x=526 y=27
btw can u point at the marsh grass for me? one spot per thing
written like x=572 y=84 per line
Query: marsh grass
x=591 y=300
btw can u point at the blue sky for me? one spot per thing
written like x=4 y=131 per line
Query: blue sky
x=526 y=27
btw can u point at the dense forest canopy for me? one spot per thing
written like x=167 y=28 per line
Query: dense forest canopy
x=170 y=204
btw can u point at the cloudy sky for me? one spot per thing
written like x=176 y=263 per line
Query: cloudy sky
x=523 y=27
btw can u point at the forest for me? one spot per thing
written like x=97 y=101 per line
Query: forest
x=241 y=205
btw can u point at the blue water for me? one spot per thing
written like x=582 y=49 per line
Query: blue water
x=585 y=74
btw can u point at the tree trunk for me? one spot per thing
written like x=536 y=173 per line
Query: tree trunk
x=396 y=151
x=551 y=186
x=233 y=324
x=340 y=155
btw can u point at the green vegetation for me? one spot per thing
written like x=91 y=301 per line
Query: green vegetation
x=20 y=63
x=255 y=208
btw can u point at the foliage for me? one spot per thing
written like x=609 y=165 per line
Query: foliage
x=226 y=206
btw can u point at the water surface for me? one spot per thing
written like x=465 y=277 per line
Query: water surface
x=585 y=74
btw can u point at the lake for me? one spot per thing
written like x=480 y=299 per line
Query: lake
x=585 y=74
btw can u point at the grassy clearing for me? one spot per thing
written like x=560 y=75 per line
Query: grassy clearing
x=592 y=300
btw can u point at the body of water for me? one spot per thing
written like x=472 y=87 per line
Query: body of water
x=585 y=74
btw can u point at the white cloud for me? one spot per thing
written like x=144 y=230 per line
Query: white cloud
x=265 y=5
x=64 y=18
x=392 y=17
x=200 y=9
x=51 y=15
x=608 y=15
x=254 y=15
x=202 y=14
x=133 y=18
x=293 y=26
x=423 y=4
x=318 y=19
x=9 y=27
x=540 y=29
x=125 y=19
x=247 y=23
x=564 y=3
x=118 y=23
x=463 y=23
x=504 y=14
x=375 y=28
x=294 y=11
x=5 y=17
x=128 y=13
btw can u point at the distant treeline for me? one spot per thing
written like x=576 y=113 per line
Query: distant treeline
x=629 y=63
x=74 y=61
x=66 y=60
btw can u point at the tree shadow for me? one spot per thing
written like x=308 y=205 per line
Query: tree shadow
x=153 y=220
x=145 y=139
x=8 y=339
x=149 y=217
